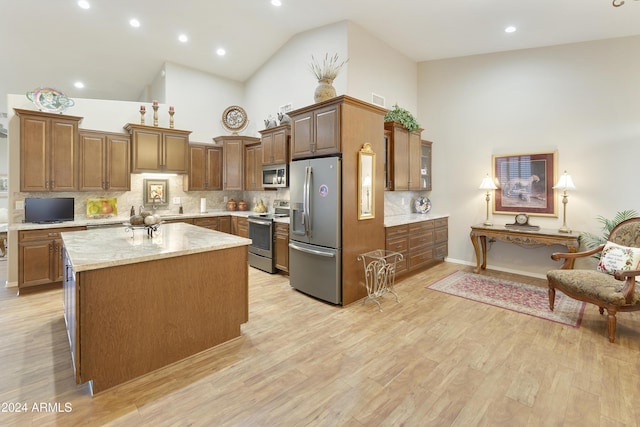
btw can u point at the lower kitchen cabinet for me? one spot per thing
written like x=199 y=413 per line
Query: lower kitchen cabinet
x=240 y=226
x=281 y=245
x=40 y=256
x=420 y=243
x=217 y=223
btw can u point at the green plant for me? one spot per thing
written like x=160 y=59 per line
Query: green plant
x=592 y=241
x=399 y=114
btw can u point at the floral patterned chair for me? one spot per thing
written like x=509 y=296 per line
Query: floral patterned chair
x=612 y=285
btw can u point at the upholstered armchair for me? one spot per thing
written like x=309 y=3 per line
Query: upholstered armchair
x=612 y=284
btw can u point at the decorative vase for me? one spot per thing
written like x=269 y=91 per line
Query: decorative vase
x=324 y=91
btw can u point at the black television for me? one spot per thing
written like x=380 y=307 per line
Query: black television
x=45 y=210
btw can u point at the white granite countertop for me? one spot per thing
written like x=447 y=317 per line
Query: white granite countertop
x=109 y=247
x=394 y=220
x=81 y=220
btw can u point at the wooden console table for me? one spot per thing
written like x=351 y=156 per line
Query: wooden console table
x=480 y=232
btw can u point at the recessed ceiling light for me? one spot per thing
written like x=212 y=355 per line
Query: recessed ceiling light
x=84 y=4
x=276 y=2
x=183 y=38
x=79 y=85
x=510 y=29
x=134 y=23
x=221 y=52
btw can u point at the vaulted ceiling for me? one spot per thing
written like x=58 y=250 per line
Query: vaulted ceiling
x=55 y=43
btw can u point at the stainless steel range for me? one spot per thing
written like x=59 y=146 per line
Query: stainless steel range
x=261 y=235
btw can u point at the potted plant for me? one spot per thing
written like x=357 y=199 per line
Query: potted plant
x=404 y=117
x=592 y=241
x=326 y=72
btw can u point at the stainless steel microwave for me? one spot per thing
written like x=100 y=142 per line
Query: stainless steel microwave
x=275 y=176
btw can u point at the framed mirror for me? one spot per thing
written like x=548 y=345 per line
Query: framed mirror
x=366 y=182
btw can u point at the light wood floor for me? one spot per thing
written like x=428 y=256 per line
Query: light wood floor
x=431 y=360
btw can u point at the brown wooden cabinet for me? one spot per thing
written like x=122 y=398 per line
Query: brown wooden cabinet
x=205 y=168
x=404 y=165
x=155 y=149
x=253 y=167
x=240 y=226
x=233 y=160
x=421 y=243
x=48 y=151
x=275 y=144
x=217 y=223
x=281 y=245
x=104 y=161
x=316 y=131
x=40 y=256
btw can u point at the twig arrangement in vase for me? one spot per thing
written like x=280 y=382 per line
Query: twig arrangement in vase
x=326 y=72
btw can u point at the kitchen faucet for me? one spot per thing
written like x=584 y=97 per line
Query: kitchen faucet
x=153 y=205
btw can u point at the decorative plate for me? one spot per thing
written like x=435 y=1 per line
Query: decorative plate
x=50 y=100
x=234 y=118
x=423 y=205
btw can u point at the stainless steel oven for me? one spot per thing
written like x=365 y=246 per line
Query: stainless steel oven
x=261 y=235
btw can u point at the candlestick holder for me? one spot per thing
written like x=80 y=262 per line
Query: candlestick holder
x=142 y=112
x=155 y=115
x=171 y=113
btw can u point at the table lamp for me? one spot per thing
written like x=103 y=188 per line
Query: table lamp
x=565 y=183
x=487 y=184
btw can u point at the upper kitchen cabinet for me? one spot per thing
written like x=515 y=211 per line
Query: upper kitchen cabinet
x=233 y=159
x=155 y=149
x=253 y=154
x=316 y=130
x=104 y=161
x=275 y=145
x=48 y=151
x=205 y=168
x=425 y=165
x=404 y=168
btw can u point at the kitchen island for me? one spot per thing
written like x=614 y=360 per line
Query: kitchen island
x=135 y=303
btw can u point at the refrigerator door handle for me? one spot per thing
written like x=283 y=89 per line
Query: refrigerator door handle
x=306 y=199
x=312 y=251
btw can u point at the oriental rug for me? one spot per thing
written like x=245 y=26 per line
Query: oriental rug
x=514 y=296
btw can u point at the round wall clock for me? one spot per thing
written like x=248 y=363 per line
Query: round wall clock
x=234 y=119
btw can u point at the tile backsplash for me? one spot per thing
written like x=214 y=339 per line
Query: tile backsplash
x=190 y=200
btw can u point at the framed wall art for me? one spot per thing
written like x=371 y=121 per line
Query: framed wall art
x=525 y=183
x=156 y=191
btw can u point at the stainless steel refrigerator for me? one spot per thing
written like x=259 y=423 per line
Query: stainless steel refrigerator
x=315 y=237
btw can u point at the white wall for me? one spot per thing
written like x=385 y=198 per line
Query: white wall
x=199 y=100
x=582 y=100
x=286 y=77
x=375 y=67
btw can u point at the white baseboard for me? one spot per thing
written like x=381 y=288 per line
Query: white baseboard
x=9 y=284
x=496 y=268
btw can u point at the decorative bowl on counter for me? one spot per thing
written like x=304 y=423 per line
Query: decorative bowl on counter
x=242 y=205
x=232 y=205
x=422 y=205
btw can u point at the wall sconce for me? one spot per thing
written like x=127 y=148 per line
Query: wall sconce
x=488 y=184
x=565 y=183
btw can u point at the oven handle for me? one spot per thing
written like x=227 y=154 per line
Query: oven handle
x=311 y=251
x=259 y=222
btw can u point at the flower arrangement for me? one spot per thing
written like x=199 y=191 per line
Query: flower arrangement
x=329 y=68
x=399 y=114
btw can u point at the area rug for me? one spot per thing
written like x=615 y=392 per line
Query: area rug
x=514 y=296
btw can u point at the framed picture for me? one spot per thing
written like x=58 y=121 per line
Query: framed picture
x=525 y=183
x=366 y=180
x=156 y=191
